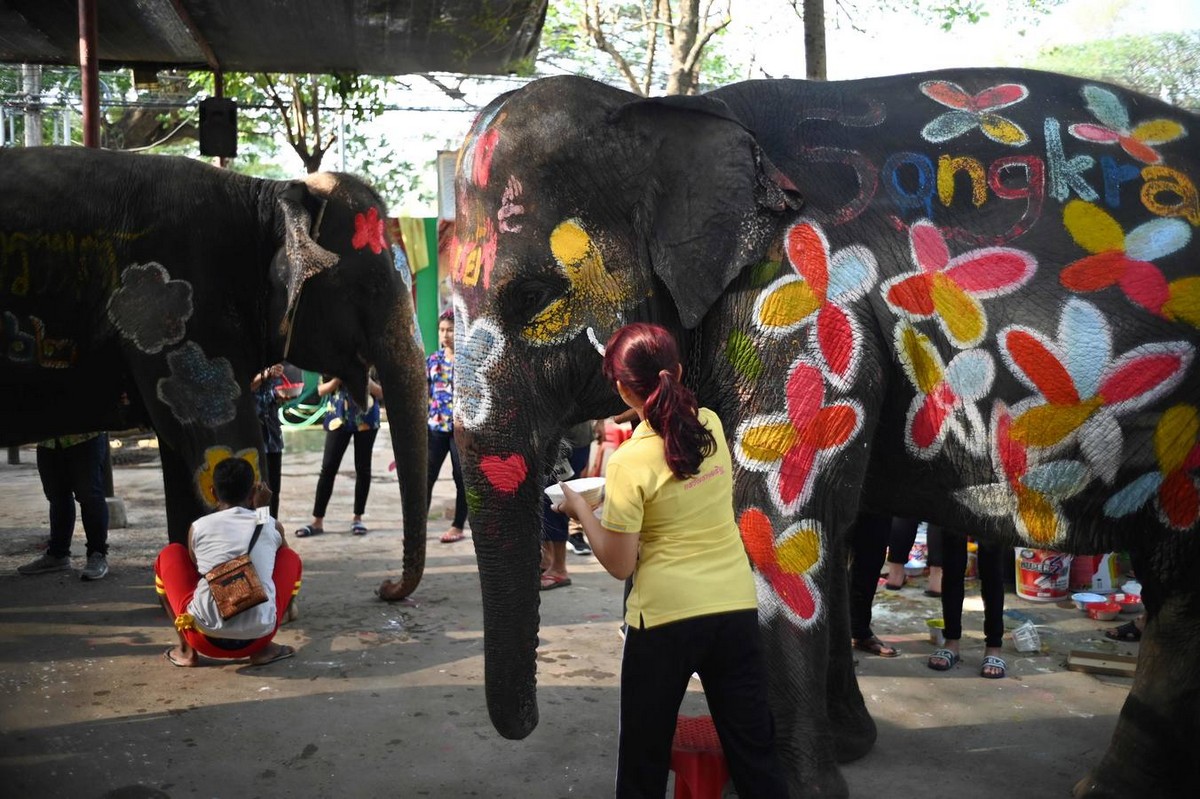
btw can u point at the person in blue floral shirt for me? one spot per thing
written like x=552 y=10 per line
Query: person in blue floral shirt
x=264 y=385
x=440 y=371
x=345 y=421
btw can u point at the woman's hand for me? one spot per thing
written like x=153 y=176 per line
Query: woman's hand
x=261 y=496
x=573 y=504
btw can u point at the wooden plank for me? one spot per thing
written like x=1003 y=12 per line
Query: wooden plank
x=1093 y=662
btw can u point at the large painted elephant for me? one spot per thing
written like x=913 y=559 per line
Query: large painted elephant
x=966 y=296
x=140 y=290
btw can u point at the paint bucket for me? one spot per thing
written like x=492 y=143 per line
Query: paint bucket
x=1042 y=575
x=937 y=631
x=1095 y=573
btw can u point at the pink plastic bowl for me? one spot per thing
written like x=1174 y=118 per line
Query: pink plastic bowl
x=1103 y=611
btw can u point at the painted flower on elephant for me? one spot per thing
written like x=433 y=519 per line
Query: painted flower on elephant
x=946 y=395
x=476 y=152
x=593 y=297
x=149 y=308
x=950 y=289
x=1028 y=491
x=199 y=390
x=784 y=568
x=213 y=456
x=480 y=345
x=1116 y=128
x=1081 y=387
x=795 y=447
x=368 y=231
x=818 y=294
x=1125 y=260
x=974 y=110
x=1173 y=485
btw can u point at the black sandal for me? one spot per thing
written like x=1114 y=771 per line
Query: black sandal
x=308 y=531
x=1127 y=632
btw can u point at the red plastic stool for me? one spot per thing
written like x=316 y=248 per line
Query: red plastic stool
x=697 y=759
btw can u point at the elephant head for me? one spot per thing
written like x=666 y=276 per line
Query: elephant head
x=553 y=251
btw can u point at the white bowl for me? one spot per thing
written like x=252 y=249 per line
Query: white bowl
x=1081 y=600
x=591 y=488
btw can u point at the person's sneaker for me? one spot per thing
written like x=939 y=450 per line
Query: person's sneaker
x=577 y=544
x=46 y=563
x=97 y=567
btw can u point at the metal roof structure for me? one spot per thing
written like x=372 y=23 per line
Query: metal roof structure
x=371 y=37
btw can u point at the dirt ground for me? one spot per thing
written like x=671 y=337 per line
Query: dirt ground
x=389 y=700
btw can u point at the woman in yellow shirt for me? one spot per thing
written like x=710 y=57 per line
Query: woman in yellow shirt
x=668 y=522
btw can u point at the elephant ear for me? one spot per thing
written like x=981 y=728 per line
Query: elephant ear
x=714 y=201
x=301 y=229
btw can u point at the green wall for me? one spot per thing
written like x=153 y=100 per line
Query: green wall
x=426 y=282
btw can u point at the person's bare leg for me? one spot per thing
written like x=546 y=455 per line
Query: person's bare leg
x=895 y=575
x=271 y=652
x=556 y=565
x=935 y=579
x=183 y=655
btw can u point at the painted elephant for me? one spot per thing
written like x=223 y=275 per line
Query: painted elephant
x=968 y=296
x=142 y=290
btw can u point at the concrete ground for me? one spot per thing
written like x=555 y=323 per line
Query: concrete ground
x=388 y=699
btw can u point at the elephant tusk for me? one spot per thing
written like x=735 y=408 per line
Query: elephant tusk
x=591 y=334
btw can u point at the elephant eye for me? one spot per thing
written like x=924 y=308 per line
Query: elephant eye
x=524 y=299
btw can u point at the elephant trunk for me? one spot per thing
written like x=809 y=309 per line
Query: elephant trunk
x=401 y=367
x=504 y=500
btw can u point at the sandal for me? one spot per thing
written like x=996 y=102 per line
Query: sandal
x=449 y=537
x=891 y=587
x=999 y=669
x=358 y=528
x=943 y=660
x=307 y=531
x=874 y=646
x=1127 y=632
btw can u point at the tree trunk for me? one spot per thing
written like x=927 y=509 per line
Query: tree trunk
x=682 y=37
x=814 y=39
x=31 y=86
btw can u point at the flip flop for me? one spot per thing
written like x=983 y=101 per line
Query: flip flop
x=934 y=594
x=1127 y=632
x=176 y=663
x=447 y=538
x=550 y=582
x=284 y=653
x=874 y=646
x=993 y=662
x=943 y=660
x=891 y=587
x=358 y=528
x=308 y=531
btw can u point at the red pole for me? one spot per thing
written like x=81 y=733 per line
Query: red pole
x=89 y=67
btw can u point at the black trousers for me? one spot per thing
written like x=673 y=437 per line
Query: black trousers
x=272 y=475
x=868 y=543
x=336 y=442
x=990 y=561
x=71 y=474
x=726 y=650
x=441 y=444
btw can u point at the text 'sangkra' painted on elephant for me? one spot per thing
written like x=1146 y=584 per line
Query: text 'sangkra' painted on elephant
x=149 y=308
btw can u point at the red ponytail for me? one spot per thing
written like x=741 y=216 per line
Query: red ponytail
x=645 y=359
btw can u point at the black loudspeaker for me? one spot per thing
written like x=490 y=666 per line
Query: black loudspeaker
x=218 y=127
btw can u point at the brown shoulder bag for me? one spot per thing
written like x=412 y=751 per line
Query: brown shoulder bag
x=234 y=584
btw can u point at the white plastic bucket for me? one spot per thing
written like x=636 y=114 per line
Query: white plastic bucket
x=1042 y=575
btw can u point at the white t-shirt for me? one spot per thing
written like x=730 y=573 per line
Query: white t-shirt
x=222 y=536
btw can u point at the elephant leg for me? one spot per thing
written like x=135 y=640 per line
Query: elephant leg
x=179 y=488
x=1153 y=748
x=853 y=728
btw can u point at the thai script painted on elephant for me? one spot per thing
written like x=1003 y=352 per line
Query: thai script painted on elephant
x=35 y=347
x=149 y=308
x=80 y=263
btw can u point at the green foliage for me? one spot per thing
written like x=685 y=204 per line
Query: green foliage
x=1164 y=65
x=949 y=13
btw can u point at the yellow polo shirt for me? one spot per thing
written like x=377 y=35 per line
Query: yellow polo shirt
x=691 y=561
